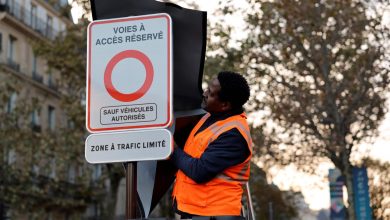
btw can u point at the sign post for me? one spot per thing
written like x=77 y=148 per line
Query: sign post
x=131 y=190
x=129 y=90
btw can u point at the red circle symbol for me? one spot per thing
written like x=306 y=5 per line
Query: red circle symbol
x=128 y=97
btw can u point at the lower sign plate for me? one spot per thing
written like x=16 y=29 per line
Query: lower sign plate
x=127 y=146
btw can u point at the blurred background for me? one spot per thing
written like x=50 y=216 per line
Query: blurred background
x=319 y=75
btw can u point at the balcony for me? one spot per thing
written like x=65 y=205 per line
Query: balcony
x=25 y=16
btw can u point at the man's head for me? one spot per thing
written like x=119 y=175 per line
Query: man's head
x=229 y=91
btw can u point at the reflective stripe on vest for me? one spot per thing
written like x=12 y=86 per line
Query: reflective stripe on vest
x=241 y=177
x=218 y=130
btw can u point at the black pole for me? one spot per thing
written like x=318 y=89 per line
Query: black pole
x=131 y=190
x=271 y=211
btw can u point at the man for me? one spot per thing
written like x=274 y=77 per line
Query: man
x=215 y=161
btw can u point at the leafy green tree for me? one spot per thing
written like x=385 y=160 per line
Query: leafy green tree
x=221 y=56
x=67 y=54
x=23 y=189
x=29 y=155
x=320 y=72
x=322 y=76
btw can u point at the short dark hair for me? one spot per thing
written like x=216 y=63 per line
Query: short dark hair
x=234 y=89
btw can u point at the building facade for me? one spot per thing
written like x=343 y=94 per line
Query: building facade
x=21 y=24
x=30 y=172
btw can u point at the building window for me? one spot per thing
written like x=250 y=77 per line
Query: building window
x=11 y=48
x=35 y=122
x=11 y=53
x=1 y=42
x=51 y=81
x=52 y=118
x=34 y=17
x=12 y=6
x=50 y=78
x=11 y=102
x=53 y=168
x=34 y=65
x=11 y=156
x=35 y=75
x=16 y=8
x=49 y=27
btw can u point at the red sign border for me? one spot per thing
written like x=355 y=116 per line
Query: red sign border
x=123 y=97
x=131 y=127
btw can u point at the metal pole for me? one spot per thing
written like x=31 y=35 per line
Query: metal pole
x=131 y=190
x=251 y=211
x=271 y=211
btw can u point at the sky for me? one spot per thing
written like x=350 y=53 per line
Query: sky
x=313 y=187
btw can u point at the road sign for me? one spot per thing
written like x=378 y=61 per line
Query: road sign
x=336 y=183
x=361 y=193
x=155 y=144
x=129 y=73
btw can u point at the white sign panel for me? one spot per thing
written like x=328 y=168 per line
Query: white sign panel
x=129 y=79
x=126 y=146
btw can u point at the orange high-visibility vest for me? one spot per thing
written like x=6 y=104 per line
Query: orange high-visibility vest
x=222 y=195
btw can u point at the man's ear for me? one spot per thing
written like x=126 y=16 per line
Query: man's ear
x=226 y=106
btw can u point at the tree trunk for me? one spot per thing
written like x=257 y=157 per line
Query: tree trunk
x=347 y=172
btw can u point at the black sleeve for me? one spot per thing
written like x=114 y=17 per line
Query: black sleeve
x=229 y=149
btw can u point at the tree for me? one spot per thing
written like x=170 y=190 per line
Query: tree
x=322 y=76
x=269 y=198
x=379 y=183
x=29 y=186
x=67 y=54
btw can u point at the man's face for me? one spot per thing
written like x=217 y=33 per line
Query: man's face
x=211 y=102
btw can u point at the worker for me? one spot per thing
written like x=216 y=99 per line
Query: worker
x=214 y=163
